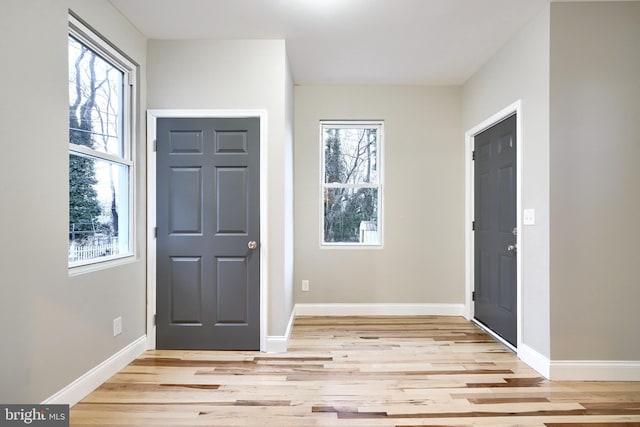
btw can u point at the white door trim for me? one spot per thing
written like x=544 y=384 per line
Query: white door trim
x=152 y=116
x=469 y=208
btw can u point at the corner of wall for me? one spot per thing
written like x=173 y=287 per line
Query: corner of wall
x=535 y=360
x=280 y=343
x=95 y=377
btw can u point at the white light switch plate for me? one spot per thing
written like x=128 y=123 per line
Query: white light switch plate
x=529 y=217
x=117 y=326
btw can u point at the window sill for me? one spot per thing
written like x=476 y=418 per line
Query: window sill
x=101 y=265
x=351 y=246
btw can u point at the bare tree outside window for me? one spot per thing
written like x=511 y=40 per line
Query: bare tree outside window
x=351 y=182
x=99 y=169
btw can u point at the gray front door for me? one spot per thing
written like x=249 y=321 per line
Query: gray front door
x=495 y=229
x=208 y=238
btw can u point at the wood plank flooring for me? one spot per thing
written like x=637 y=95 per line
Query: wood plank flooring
x=356 y=371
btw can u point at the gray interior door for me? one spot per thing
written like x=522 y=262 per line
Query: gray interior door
x=208 y=237
x=495 y=286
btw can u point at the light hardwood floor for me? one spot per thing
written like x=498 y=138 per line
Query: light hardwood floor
x=356 y=371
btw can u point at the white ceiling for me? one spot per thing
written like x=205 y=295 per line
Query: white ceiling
x=435 y=42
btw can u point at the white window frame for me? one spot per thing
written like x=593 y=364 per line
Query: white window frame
x=88 y=37
x=379 y=124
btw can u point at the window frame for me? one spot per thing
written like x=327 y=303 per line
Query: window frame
x=85 y=35
x=379 y=125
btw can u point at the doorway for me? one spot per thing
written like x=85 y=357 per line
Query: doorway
x=206 y=270
x=493 y=248
x=495 y=230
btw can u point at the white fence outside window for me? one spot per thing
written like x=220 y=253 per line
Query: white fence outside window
x=81 y=252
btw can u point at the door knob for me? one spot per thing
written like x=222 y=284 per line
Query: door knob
x=512 y=248
x=252 y=245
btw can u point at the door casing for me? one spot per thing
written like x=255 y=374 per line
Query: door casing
x=469 y=213
x=152 y=116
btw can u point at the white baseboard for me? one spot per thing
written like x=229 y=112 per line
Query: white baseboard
x=580 y=370
x=595 y=370
x=535 y=360
x=347 y=309
x=81 y=387
x=280 y=343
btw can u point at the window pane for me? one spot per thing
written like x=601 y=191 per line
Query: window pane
x=98 y=208
x=95 y=101
x=351 y=215
x=350 y=155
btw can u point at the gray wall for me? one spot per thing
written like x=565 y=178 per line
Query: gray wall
x=289 y=218
x=595 y=180
x=241 y=74
x=520 y=71
x=423 y=256
x=54 y=327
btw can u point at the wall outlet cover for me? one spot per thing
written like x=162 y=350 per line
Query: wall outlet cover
x=529 y=217
x=117 y=326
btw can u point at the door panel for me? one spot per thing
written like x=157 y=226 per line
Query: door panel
x=506 y=210
x=232 y=290
x=186 y=282
x=232 y=203
x=231 y=142
x=507 y=278
x=185 y=142
x=185 y=201
x=495 y=221
x=208 y=279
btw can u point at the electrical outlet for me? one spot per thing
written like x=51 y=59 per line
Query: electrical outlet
x=117 y=326
x=529 y=217
x=305 y=286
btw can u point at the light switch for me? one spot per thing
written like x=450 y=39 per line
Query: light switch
x=529 y=217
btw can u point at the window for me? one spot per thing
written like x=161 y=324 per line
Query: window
x=101 y=168
x=351 y=183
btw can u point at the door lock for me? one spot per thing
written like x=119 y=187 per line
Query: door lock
x=252 y=245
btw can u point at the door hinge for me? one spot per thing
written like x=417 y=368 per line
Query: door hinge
x=155 y=319
x=473 y=296
x=473 y=225
x=155 y=145
x=155 y=232
x=473 y=155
